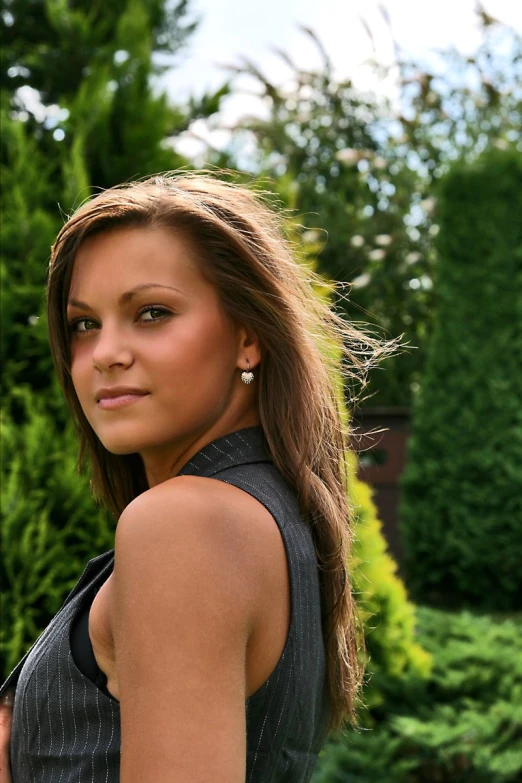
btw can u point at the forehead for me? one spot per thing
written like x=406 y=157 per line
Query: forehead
x=124 y=257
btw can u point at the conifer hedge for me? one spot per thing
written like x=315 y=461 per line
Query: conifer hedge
x=461 y=510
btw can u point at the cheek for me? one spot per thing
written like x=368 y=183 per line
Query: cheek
x=203 y=341
x=80 y=365
x=217 y=350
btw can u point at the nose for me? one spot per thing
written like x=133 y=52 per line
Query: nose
x=111 y=350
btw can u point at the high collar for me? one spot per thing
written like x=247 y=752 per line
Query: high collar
x=237 y=448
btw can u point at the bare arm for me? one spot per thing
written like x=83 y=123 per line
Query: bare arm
x=6 y=716
x=182 y=612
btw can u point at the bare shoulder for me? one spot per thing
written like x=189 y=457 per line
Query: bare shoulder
x=197 y=495
x=206 y=529
x=211 y=537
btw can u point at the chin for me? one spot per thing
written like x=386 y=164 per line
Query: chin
x=122 y=437
x=122 y=445
x=121 y=449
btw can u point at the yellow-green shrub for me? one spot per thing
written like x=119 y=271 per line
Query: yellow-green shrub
x=387 y=614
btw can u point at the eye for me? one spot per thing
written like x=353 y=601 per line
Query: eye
x=81 y=325
x=154 y=314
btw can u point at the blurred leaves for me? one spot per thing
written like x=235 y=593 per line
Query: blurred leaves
x=462 y=724
x=51 y=525
x=461 y=513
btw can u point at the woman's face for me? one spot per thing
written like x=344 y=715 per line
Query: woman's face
x=144 y=318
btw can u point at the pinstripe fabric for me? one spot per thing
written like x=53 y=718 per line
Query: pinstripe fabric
x=65 y=730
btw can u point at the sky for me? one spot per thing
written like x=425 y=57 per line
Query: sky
x=232 y=29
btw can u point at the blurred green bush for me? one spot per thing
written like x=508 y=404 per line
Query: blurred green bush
x=462 y=725
x=461 y=511
x=51 y=525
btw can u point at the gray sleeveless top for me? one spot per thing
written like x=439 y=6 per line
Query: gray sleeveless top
x=67 y=730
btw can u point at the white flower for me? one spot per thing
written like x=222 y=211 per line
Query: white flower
x=32 y=320
x=377 y=255
x=434 y=230
x=348 y=156
x=310 y=235
x=412 y=258
x=379 y=162
x=357 y=240
x=383 y=239
x=361 y=281
x=428 y=204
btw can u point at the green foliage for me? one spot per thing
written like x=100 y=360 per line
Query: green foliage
x=28 y=230
x=462 y=490
x=101 y=107
x=51 y=526
x=462 y=724
x=52 y=44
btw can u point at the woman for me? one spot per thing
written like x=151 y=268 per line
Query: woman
x=217 y=641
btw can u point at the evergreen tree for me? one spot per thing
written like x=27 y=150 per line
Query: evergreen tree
x=51 y=525
x=462 y=490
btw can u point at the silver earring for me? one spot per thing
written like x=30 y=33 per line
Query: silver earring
x=247 y=376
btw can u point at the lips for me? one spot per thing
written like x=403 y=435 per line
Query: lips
x=111 y=392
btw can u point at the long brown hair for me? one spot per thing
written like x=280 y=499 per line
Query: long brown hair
x=306 y=346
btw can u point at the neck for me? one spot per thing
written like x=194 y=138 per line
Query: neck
x=162 y=464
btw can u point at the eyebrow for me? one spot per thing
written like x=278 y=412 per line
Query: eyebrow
x=127 y=296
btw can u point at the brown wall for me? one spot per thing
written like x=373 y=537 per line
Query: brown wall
x=382 y=459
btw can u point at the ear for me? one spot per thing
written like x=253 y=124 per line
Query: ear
x=248 y=347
